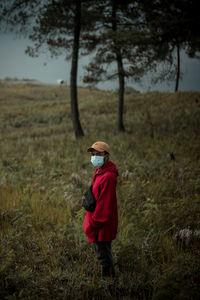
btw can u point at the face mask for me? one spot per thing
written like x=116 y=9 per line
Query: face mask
x=97 y=161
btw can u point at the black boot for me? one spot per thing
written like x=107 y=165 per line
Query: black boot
x=108 y=272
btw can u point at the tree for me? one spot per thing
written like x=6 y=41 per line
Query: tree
x=55 y=24
x=111 y=45
x=173 y=25
x=73 y=81
x=120 y=69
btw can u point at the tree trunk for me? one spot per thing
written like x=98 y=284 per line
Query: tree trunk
x=73 y=76
x=121 y=94
x=120 y=72
x=178 y=68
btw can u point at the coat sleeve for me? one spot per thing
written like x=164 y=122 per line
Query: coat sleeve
x=103 y=211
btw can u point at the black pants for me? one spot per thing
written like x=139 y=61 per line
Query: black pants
x=103 y=252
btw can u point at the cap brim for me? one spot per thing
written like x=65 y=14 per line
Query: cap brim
x=90 y=149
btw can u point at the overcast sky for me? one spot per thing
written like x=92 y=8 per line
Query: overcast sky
x=15 y=63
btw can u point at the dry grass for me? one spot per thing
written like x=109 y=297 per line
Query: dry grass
x=44 y=171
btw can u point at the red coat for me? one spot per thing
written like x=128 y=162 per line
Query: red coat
x=101 y=225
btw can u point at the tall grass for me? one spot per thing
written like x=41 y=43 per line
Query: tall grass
x=44 y=172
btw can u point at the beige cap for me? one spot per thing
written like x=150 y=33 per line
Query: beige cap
x=99 y=146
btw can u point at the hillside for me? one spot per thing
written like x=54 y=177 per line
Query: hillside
x=44 y=172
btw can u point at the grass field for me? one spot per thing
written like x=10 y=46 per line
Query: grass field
x=44 y=171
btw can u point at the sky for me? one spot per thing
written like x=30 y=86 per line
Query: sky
x=15 y=63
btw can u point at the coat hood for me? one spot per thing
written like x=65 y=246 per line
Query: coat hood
x=109 y=167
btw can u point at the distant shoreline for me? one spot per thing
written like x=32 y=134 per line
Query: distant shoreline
x=27 y=81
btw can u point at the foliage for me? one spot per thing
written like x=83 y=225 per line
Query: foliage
x=172 y=27
x=44 y=171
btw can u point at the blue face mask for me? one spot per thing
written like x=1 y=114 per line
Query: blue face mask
x=97 y=161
